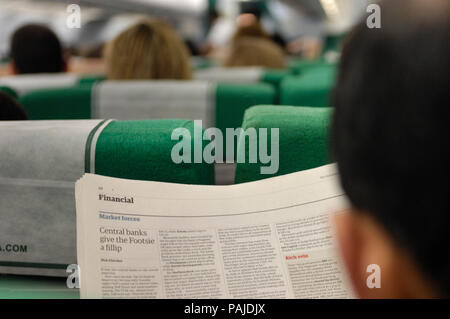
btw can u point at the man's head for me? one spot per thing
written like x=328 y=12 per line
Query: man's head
x=36 y=49
x=389 y=140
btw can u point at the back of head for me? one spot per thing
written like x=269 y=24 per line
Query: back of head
x=150 y=49
x=36 y=49
x=249 y=26
x=251 y=51
x=391 y=125
x=10 y=110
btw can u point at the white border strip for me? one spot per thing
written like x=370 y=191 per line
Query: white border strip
x=94 y=144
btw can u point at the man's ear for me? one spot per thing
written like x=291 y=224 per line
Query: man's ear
x=349 y=246
x=376 y=266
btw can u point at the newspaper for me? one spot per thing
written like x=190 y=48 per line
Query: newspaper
x=266 y=239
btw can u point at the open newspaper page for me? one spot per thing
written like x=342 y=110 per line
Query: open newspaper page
x=267 y=239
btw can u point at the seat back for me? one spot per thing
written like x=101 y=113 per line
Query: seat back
x=133 y=100
x=305 y=66
x=217 y=105
x=303 y=139
x=8 y=91
x=40 y=162
x=230 y=75
x=25 y=83
x=313 y=88
x=142 y=150
x=58 y=104
x=242 y=75
x=91 y=79
x=221 y=105
x=233 y=100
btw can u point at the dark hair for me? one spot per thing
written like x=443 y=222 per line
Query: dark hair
x=36 y=49
x=10 y=109
x=390 y=129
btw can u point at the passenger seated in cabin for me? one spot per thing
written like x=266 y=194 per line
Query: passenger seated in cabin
x=254 y=51
x=10 y=109
x=36 y=49
x=252 y=46
x=248 y=25
x=390 y=140
x=150 y=49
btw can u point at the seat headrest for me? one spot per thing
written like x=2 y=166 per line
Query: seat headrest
x=303 y=138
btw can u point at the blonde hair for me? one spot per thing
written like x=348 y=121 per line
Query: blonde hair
x=150 y=49
x=251 y=51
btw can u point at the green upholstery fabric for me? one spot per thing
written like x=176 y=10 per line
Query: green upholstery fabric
x=91 y=79
x=58 y=104
x=305 y=66
x=275 y=77
x=233 y=100
x=30 y=287
x=313 y=88
x=142 y=150
x=9 y=91
x=303 y=143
